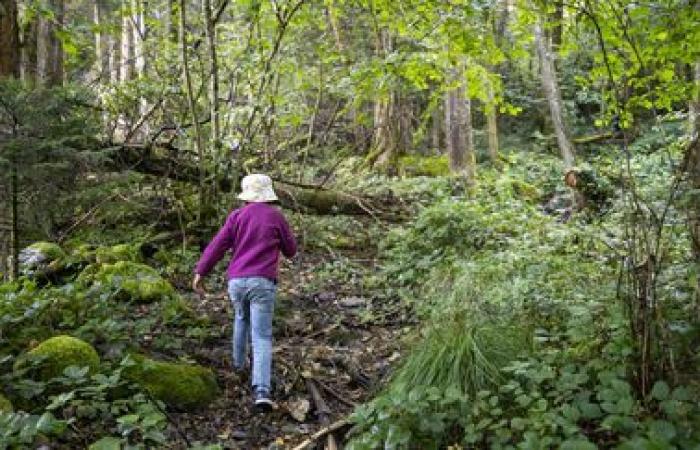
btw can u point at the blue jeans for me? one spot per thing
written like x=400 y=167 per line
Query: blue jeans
x=253 y=301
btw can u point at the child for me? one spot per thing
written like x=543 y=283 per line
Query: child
x=255 y=234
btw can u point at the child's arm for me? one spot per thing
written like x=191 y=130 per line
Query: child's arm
x=217 y=247
x=288 y=244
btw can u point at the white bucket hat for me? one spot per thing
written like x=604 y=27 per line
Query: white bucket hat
x=257 y=188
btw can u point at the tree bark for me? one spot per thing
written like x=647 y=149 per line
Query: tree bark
x=9 y=39
x=126 y=60
x=114 y=58
x=551 y=90
x=49 y=49
x=384 y=140
x=492 y=123
x=192 y=105
x=210 y=32
x=101 y=42
x=694 y=110
x=28 y=52
x=459 y=134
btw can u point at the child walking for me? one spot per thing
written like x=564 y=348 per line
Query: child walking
x=255 y=234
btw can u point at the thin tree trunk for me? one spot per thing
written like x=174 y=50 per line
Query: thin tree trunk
x=557 y=30
x=172 y=21
x=551 y=90
x=192 y=105
x=435 y=127
x=384 y=141
x=9 y=39
x=694 y=110
x=114 y=59
x=492 y=123
x=210 y=32
x=14 y=221
x=126 y=61
x=101 y=42
x=458 y=128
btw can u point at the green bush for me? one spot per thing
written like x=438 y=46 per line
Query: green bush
x=128 y=281
x=183 y=386
x=59 y=352
x=5 y=404
x=431 y=166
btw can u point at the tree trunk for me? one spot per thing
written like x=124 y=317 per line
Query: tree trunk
x=14 y=219
x=138 y=35
x=49 y=51
x=9 y=39
x=114 y=58
x=558 y=19
x=384 y=141
x=551 y=90
x=458 y=128
x=101 y=42
x=435 y=128
x=694 y=110
x=210 y=32
x=192 y=105
x=126 y=60
x=28 y=47
x=492 y=123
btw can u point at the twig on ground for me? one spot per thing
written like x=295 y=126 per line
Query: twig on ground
x=322 y=432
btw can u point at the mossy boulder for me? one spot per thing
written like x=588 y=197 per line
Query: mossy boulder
x=5 y=404
x=40 y=256
x=183 y=386
x=116 y=253
x=128 y=281
x=430 y=166
x=58 y=353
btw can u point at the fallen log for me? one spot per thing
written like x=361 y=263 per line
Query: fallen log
x=323 y=412
x=167 y=162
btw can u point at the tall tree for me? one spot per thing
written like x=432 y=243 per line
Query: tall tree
x=49 y=49
x=101 y=43
x=210 y=32
x=459 y=134
x=384 y=144
x=189 y=91
x=9 y=68
x=9 y=39
x=551 y=91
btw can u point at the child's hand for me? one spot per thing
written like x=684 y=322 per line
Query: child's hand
x=197 y=285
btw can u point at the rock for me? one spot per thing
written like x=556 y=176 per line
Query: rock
x=129 y=281
x=39 y=256
x=58 y=353
x=183 y=386
x=299 y=408
x=5 y=404
x=352 y=302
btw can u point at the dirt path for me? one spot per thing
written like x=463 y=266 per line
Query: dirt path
x=335 y=337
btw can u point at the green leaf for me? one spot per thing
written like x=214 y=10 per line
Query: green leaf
x=107 y=443
x=578 y=444
x=660 y=391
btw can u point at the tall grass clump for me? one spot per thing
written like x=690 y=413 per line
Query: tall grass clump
x=462 y=354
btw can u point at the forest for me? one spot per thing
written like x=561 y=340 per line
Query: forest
x=496 y=205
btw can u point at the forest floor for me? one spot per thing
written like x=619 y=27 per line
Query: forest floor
x=330 y=335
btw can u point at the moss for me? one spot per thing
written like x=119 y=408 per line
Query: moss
x=183 y=386
x=431 y=166
x=59 y=352
x=5 y=404
x=130 y=281
x=84 y=252
x=115 y=253
x=49 y=249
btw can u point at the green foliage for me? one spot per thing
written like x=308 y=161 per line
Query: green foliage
x=431 y=166
x=5 y=404
x=184 y=386
x=464 y=352
x=127 y=281
x=51 y=250
x=117 y=253
x=20 y=429
x=54 y=355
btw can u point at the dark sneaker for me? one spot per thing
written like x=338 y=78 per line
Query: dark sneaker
x=262 y=402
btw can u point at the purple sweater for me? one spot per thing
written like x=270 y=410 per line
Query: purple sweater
x=255 y=234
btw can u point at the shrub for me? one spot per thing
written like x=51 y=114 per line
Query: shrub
x=5 y=404
x=128 y=281
x=183 y=386
x=58 y=353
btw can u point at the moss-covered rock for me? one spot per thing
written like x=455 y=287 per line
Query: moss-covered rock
x=40 y=256
x=183 y=386
x=59 y=352
x=116 y=253
x=128 y=281
x=431 y=166
x=5 y=404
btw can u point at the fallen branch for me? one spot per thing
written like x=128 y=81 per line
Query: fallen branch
x=323 y=412
x=321 y=433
